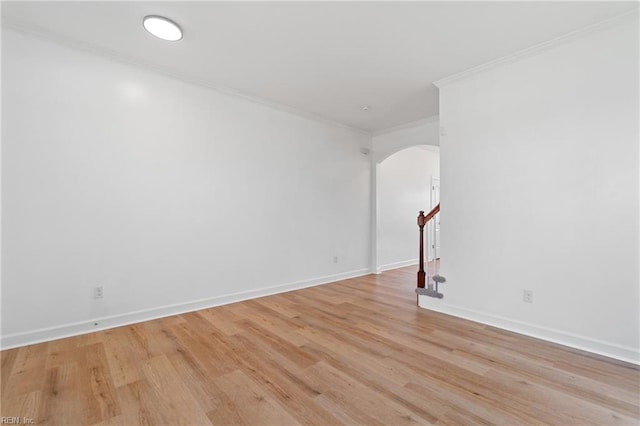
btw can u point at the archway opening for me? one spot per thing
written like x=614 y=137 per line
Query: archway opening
x=407 y=181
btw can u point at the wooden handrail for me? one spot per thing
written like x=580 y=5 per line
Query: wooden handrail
x=422 y=221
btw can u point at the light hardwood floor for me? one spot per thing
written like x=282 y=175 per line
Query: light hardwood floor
x=353 y=352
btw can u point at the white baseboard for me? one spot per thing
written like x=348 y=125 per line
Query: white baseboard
x=396 y=265
x=74 y=329
x=588 y=344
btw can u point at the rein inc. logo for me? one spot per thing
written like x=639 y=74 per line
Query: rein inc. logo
x=16 y=421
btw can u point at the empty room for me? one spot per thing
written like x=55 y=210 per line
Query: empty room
x=320 y=213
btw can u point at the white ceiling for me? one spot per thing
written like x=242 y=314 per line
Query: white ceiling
x=325 y=58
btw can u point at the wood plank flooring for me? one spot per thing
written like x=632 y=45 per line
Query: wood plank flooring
x=352 y=352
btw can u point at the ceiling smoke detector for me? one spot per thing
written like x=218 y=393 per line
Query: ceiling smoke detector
x=365 y=108
x=163 y=28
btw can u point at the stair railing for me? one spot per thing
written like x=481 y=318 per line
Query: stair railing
x=429 y=290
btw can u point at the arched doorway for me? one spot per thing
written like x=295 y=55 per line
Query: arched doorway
x=406 y=181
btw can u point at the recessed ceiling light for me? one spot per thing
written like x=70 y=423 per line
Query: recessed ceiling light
x=162 y=28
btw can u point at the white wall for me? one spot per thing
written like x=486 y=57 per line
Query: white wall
x=390 y=141
x=170 y=195
x=540 y=191
x=403 y=186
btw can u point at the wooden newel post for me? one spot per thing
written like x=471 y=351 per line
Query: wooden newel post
x=422 y=220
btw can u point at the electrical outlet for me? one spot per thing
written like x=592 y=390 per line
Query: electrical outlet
x=527 y=296
x=335 y=259
x=98 y=292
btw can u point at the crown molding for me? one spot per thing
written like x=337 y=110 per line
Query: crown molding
x=75 y=44
x=541 y=47
x=411 y=124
